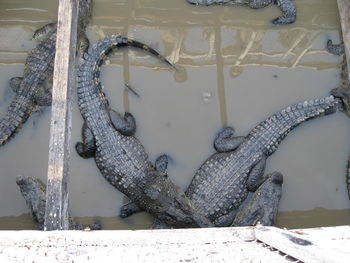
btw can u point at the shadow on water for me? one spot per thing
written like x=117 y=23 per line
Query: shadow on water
x=234 y=69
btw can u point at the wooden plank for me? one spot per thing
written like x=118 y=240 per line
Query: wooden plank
x=56 y=216
x=303 y=246
x=178 y=245
x=344 y=12
x=235 y=244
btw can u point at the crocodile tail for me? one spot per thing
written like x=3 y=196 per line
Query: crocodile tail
x=89 y=87
x=17 y=113
x=140 y=45
x=272 y=131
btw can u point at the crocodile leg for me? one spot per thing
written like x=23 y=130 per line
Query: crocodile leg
x=335 y=49
x=84 y=44
x=86 y=149
x=225 y=220
x=125 y=125
x=262 y=207
x=44 y=31
x=288 y=10
x=15 y=83
x=225 y=142
x=256 y=175
x=131 y=208
x=161 y=163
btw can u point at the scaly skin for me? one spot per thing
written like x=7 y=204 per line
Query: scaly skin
x=120 y=157
x=263 y=206
x=33 y=191
x=287 y=7
x=223 y=181
x=34 y=88
x=342 y=92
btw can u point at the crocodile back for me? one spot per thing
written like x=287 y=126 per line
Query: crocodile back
x=121 y=159
x=268 y=134
x=219 y=185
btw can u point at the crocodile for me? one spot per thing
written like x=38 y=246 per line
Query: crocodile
x=343 y=91
x=223 y=181
x=33 y=191
x=120 y=157
x=34 y=88
x=287 y=7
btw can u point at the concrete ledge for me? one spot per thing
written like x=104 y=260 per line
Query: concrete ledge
x=247 y=244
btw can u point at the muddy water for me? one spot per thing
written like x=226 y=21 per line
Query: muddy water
x=235 y=69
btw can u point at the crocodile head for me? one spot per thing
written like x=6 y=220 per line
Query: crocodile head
x=344 y=95
x=169 y=203
x=33 y=191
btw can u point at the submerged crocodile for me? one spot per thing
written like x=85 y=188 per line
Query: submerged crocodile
x=33 y=191
x=343 y=91
x=121 y=158
x=224 y=180
x=287 y=7
x=34 y=88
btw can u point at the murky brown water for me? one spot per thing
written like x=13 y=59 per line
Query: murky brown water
x=236 y=70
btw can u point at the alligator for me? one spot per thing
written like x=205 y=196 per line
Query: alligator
x=120 y=157
x=223 y=181
x=33 y=191
x=287 y=7
x=34 y=88
x=343 y=91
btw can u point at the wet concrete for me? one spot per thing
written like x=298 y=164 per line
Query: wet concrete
x=235 y=69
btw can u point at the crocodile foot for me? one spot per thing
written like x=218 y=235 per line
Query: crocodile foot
x=344 y=95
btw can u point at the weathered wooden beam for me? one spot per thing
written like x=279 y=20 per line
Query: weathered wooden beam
x=237 y=244
x=56 y=216
x=305 y=246
x=344 y=13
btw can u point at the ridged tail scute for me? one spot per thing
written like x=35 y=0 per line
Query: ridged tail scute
x=17 y=113
x=272 y=131
x=89 y=85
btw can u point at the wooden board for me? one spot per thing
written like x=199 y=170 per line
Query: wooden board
x=56 y=216
x=178 y=245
